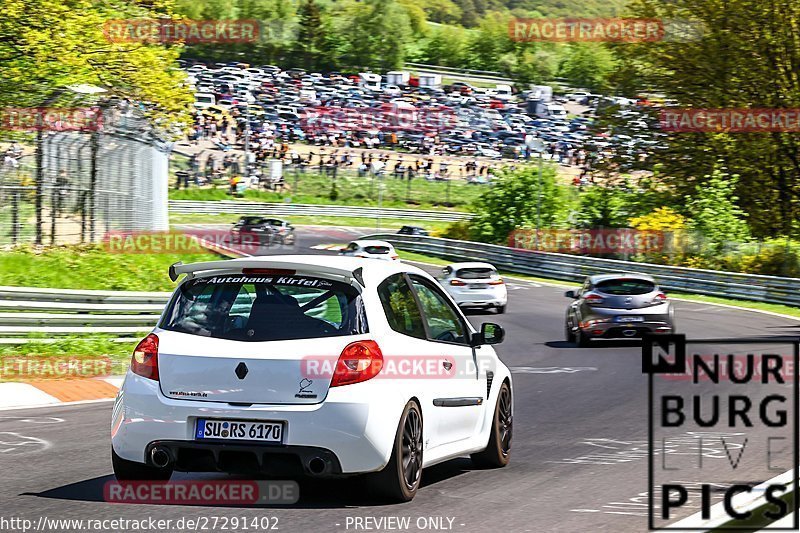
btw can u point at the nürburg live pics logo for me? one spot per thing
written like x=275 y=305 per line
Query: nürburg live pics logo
x=723 y=433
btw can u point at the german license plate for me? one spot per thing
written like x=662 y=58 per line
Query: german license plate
x=630 y=319
x=238 y=430
x=478 y=286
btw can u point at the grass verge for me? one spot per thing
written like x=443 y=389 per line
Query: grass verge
x=90 y=267
x=350 y=190
x=66 y=358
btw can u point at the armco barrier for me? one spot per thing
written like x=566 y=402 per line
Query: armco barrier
x=27 y=310
x=183 y=207
x=770 y=289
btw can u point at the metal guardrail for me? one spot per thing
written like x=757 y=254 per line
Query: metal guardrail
x=277 y=209
x=26 y=310
x=770 y=289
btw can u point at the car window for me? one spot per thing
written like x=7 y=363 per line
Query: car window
x=443 y=321
x=378 y=250
x=400 y=306
x=265 y=308
x=475 y=273
x=626 y=286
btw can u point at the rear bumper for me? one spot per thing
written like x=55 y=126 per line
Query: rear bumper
x=477 y=298
x=354 y=428
x=614 y=330
x=483 y=303
x=272 y=460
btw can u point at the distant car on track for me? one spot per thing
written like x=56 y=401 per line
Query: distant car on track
x=475 y=285
x=225 y=382
x=612 y=306
x=262 y=231
x=370 y=249
x=413 y=230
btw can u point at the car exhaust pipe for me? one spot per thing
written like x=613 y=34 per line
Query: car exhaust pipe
x=317 y=466
x=160 y=457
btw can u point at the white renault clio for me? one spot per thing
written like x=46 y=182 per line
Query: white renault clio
x=306 y=365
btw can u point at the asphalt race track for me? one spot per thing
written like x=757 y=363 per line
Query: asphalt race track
x=570 y=405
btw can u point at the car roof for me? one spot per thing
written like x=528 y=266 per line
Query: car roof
x=472 y=264
x=620 y=275
x=373 y=272
x=370 y=242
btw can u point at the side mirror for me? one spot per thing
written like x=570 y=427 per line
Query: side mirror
x=489 y=334
x=571 y=294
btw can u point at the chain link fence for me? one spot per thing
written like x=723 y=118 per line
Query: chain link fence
x=79 y=185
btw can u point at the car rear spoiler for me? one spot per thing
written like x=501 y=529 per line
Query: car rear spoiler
x=193 y=269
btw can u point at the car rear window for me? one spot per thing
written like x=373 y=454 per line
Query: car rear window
x=376 y=249
x=475 y=273
x=266 y=308
x=626 y=286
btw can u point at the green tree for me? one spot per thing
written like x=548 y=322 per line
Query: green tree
x=511 y=203
x=374 y=34
x=310 y=40
x=531 y=64
x=443 y=11
x=714 y=211
x=446 y=46
x=48 y=45
x=605 y=207
x=741 y=53
x=489 y=42
x=588 y=65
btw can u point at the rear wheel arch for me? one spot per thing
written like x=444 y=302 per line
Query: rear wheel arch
x=417 y=401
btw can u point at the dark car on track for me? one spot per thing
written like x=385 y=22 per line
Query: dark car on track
x=614 y=306
x=263 y=231
x=413 y=230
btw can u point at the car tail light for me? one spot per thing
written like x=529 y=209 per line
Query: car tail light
x=497 y=282
x=457 y=283
x=593 y=299
x=659 y=298
x=395 y=257
x=359 y=361
x=592 y=322
x=145 y=358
